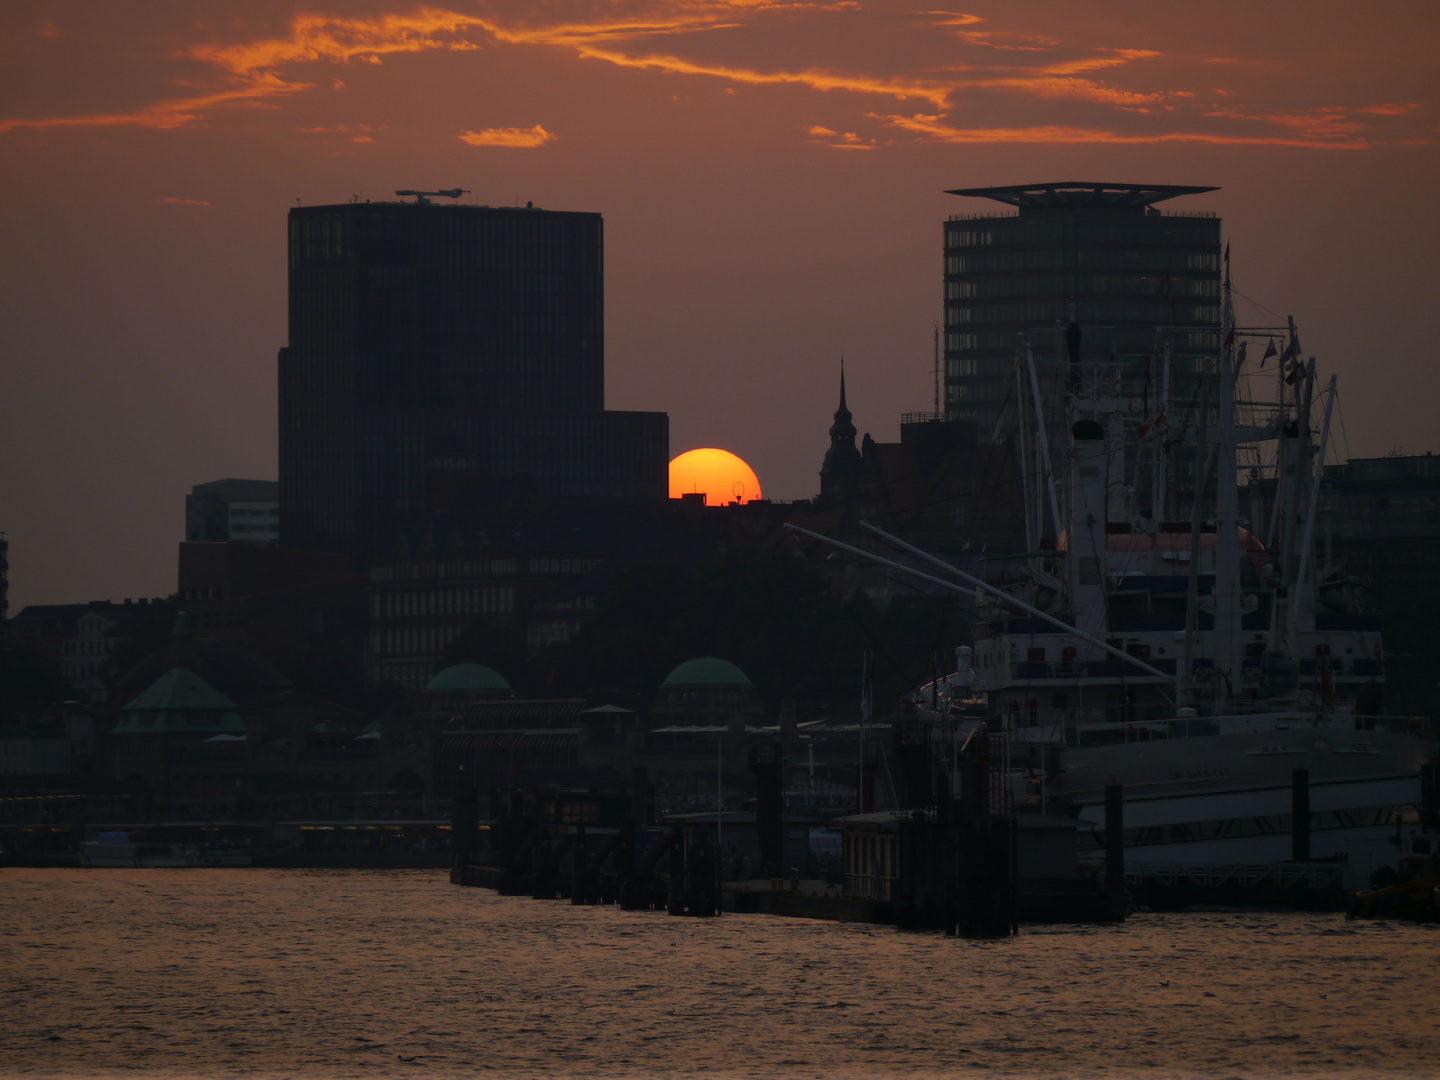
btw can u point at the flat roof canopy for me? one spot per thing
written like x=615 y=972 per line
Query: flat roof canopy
x=1081 y=193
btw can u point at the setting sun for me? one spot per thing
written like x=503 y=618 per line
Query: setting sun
x=718 y=474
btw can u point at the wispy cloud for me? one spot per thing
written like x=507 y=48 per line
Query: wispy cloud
x=1399 y=109
x=1328 y=122
x=934 y=129
x=512 y=137
x=264 y=70
x=175 y=113
x=173 y=201
x=840 y=140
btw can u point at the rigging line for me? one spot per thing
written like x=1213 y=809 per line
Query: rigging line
x=1344 y=436
x=1257 y=303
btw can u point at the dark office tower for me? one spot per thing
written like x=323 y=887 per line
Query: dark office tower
x=1098 y=255
x=445 y=358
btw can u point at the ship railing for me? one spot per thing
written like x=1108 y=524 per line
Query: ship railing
x=1148 y=720
x=1327 y=875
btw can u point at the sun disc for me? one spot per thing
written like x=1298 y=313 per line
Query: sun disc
x=719 y=475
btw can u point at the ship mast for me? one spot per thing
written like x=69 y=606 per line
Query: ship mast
x=1226 y=636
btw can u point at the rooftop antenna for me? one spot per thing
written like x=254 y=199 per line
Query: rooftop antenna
x=422 y=198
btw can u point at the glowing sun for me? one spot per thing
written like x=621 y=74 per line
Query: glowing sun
x=718 y=474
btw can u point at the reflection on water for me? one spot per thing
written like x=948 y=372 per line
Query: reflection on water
x=326 y=973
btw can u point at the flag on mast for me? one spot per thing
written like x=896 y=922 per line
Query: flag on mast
x=1270 y=351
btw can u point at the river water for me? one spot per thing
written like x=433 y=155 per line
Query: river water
x=214 y=973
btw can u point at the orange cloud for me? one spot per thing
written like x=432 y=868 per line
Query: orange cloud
x=1095 y=63
x=1059 y=80
x=1389 y=110
x=260 y=71
x=173 y=201
x=251 y=66
x=1049 y=86
x=512 y=137
x=935 y=130
x=176 y=113
x=1330 y=122
x=835 y=140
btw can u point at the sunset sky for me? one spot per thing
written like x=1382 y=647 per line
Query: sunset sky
x=772 y=179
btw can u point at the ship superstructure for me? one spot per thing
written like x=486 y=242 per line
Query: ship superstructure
x=1152 y=637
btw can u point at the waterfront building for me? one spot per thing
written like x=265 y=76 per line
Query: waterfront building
x=424 y=600
x=85 y=641
x=443 y=358
x=242 y=510
x=706 y=698
x=1100 y=257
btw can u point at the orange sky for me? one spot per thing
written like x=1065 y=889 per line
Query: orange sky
x=771 y=176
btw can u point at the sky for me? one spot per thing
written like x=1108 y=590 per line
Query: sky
x=772 y=177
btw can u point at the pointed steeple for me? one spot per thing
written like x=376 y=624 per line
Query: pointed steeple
x=842 y=428
x=842 y=457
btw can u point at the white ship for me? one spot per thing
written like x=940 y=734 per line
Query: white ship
x=1164 y=643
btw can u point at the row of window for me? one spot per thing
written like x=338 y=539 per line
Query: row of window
x=1158 y=310
x=1142 y=259
x=1136 y=285
x=467 y=601
x=419 y=641
x=82 y=647
x=430 y=570
x=1030 y=230
x=995 y=369
x=1004 y=341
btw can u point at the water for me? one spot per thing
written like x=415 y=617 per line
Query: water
x=372 y=974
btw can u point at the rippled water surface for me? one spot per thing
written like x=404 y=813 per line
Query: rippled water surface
x=325 y=973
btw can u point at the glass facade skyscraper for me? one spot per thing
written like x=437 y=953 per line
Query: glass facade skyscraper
x=1099 y=255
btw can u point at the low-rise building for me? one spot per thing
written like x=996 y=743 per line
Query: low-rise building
x=247 y=511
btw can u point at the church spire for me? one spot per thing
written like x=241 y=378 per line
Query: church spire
x=842 y=457
x=842 y=428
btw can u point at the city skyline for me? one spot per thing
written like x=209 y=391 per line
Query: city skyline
x=772 y=181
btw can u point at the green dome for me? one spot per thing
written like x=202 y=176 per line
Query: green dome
x=707 y=671
x=460 y=678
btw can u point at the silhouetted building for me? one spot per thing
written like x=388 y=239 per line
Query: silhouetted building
x=246 y=510
x=939 y=488
x=84 y=641
x=276 y=600
x=842 y=461
x=444 y=358
x=1099 y=257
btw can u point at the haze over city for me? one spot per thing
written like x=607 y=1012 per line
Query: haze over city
x=772 y=180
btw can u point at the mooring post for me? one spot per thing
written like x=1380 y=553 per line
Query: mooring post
x=1114 y=840
x=464 y=825
x=1300 y=815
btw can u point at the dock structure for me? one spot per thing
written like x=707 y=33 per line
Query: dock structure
x=949 y=854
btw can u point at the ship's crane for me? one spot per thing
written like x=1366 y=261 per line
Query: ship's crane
x=422 y=197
